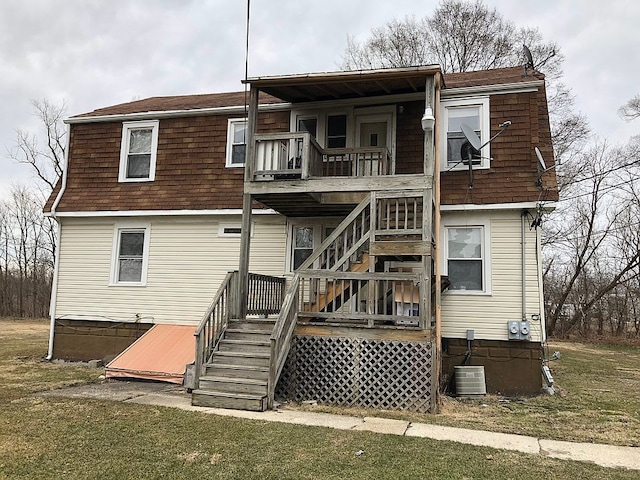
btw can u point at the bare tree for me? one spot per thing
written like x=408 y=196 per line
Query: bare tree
x=45 y=159
x=26 y=264
x=463 y=36
x=596 y=248
x=630 y=110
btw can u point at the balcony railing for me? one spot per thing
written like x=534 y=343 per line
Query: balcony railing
x=362 y=299
x=297 y=155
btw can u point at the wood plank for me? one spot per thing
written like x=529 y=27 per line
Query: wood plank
x=382 y=333
x=339 y=184
x=418 y=247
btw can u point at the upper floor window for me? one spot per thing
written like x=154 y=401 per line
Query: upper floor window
x=236 y=142
x=130 y=255
x=336 y=131
x=138 y=151
x=458 y=151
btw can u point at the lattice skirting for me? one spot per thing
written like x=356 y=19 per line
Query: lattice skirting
x=359 y=372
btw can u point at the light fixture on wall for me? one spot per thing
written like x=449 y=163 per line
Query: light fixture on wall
x=428 y=120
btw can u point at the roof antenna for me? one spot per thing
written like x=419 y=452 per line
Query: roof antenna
x=528 y=60
x=474 y=145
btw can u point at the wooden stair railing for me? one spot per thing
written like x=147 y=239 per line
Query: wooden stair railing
x=265 y=297
x=213 y=324
x=342 y=246
x=282 y=335
x=334 y=291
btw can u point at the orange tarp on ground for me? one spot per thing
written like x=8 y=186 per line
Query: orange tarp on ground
x=160 y=354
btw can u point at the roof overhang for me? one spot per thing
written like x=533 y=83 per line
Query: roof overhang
x=310 y=87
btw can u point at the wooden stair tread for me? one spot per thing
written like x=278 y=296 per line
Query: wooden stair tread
x=230 y=366
x=245 y=381
x=247 y=330
x=257 y=343
x=246 y=396
x=241 y=354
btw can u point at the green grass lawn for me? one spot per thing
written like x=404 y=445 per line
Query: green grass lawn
x=54 y=437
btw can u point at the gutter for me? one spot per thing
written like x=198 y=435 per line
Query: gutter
x=56 y=265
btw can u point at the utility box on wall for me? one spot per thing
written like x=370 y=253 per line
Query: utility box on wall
x=519 y=330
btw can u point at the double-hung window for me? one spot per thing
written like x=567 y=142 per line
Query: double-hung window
x=466 y=259
x=130 y=255
x=474 y=113
x=336 y=131
x=302 y=245
x=236 y=142
x=138 y=151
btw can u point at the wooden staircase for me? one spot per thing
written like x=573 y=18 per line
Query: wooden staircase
x=337 y=293
x=236 y=376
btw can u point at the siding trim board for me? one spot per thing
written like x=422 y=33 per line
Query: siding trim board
x=162 y=213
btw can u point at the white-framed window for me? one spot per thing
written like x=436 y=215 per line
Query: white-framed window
x=304 y=236
x=474 y=112
x=236 y=142
x=466 y=257
x=138 y=151
x=302 y=244
x=130 y=256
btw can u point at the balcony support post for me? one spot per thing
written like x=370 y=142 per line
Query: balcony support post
x=245 y=240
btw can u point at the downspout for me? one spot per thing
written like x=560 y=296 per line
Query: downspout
x=56 y=264
x=524 y=263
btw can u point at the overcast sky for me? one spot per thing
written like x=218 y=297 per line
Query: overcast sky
x=95 y=53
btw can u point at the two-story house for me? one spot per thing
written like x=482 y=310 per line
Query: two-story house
x=381 y=228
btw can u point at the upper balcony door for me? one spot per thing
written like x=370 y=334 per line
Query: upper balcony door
x=375 y=132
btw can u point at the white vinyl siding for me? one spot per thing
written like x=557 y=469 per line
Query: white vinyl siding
x=187 y=262
x=487 y=315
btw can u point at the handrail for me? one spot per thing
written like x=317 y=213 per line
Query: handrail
x=265 y=294
x=280 y=340
x=367 y=299
x=285 y=155
x=213 y=323
x=339 y=230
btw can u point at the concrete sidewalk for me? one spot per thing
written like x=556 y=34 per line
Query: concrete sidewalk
x=176 y=397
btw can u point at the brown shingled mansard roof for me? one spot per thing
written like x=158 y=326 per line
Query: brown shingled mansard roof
x=178 y=103
x=501 y=76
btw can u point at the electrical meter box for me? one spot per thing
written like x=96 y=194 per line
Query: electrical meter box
x=519 y=330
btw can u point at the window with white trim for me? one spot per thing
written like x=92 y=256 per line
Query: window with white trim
x=236 y=142
x=457 y=150
x=466 y=262
x=302 y=245
x=130 y=255
x=138 y=151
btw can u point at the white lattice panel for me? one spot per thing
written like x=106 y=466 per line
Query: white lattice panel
x=359 y=372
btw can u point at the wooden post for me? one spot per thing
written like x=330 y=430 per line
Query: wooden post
x=249 y=166
x=436 y=251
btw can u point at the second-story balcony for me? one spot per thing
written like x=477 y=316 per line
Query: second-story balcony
x=292 y=169
x=297 y=155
